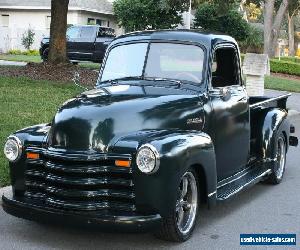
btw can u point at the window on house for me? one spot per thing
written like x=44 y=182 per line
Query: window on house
x=91 y=21
x=48 y=22
x=99 y=22
x=4 y=21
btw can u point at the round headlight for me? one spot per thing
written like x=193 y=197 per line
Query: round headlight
x=13 y=148
x=147 y=159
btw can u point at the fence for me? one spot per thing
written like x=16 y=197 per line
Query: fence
x=11 y=38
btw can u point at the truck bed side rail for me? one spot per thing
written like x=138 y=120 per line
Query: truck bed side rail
x=259 y=102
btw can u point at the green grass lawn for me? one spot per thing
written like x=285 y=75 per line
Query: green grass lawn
x=23 y=103
x=277 y=83
x=20 y=58
x=37 y=59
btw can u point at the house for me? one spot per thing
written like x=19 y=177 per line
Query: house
x=16 y=16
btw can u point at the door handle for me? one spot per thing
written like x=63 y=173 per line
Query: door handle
x=225 y=94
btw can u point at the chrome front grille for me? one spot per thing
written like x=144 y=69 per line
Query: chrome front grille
x=71 y=183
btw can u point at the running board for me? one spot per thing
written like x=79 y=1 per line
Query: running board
x=246 y=180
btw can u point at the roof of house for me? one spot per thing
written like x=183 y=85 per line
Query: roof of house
x=99 y=6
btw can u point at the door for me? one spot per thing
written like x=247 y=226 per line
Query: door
x=231 y=118
x=81 y=42
x=73 y=34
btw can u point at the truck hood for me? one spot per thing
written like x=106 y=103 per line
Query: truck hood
x=96 y=119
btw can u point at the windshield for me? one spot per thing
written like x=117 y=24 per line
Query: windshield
x=164 y=60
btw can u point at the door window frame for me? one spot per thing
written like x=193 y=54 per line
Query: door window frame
x=239 y=73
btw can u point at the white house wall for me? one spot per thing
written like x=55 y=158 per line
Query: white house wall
x=21 y=20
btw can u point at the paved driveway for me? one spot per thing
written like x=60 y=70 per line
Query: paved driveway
x=12 y=63
x=261 y=209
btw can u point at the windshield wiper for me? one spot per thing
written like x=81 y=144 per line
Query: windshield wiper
x=160 y=79
x=116 y=81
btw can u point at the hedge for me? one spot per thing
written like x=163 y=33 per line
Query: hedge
x=285 y=67
x=290 y=59
x=26 y=52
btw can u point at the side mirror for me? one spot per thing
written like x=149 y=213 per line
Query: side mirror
x=225 y=94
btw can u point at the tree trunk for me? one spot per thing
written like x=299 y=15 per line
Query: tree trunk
x=291 y=35
x=268 y=22
x=277 y=25
x=58 y=28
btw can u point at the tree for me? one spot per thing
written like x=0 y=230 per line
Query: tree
x=272 y=24
x=293 y=10
x=211 y=16
x=147 y=14
x=28 y=38
x=58 y=28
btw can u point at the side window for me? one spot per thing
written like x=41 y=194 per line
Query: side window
x=73 y=32
x=87 y=32
x=225 y=68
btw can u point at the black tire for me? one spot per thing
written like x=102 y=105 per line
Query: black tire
x=170 y=229
x=75 y=63
x=45 y=55
x=278 y=167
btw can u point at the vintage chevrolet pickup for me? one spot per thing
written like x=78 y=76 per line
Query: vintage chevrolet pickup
x=168 y=125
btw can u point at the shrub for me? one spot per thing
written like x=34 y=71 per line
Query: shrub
x=28 y=38
x=285 y=67
x=254 y=42
x=231 y=22
x=31 y=52
x=15 y=52
x=290 y=59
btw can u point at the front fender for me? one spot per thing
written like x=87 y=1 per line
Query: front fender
x=178 y=151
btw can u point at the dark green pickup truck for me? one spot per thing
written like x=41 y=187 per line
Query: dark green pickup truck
x=168 y=125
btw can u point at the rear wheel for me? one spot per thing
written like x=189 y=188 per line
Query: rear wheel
x=180 y=224
x=278 y=167
x=45 y=55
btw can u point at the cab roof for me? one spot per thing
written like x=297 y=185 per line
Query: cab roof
x=208 y=39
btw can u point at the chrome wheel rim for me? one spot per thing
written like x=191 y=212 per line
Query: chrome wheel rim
x=281 y=152
x=187 y=202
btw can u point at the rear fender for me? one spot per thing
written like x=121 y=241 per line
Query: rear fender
x=275 y=123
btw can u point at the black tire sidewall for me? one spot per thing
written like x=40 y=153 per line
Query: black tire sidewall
x=274 y=178
x=45 y=54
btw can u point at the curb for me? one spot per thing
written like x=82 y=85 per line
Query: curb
x=3 y=191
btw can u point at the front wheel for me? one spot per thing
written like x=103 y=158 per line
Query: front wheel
x=278 y=167
x=180 y=224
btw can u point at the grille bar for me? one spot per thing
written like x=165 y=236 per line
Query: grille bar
x=66 y=183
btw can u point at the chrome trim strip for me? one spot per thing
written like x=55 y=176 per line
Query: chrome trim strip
x=211 y=194
x=269 y=100
x=239 y=175
x=266 y=160
x=81 y=53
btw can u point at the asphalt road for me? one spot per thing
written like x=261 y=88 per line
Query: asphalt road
x=261 y=209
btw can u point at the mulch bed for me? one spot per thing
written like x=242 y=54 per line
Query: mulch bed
x=58 y=73
x=290 y=77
